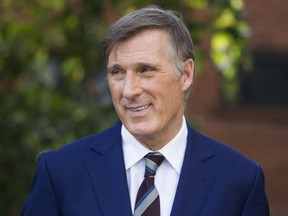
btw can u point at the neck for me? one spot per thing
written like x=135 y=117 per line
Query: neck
x=159 y=140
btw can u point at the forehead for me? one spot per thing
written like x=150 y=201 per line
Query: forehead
x=146 y=44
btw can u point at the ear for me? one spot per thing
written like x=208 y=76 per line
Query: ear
x=188 y=74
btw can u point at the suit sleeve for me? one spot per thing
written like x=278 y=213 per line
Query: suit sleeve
x=42 y=199
x=257 y=203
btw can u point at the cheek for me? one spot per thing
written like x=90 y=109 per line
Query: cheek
x=114 y=90
x=173 y=90
x=115 y=96
x=169 y=96
x=173 y=97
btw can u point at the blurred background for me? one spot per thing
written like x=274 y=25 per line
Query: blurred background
x=53 y=86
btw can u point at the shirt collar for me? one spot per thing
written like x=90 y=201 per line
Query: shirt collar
x=173 y=151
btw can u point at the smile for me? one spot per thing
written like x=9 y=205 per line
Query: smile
x=140 y=108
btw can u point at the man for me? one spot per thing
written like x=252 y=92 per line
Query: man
x=150 y=71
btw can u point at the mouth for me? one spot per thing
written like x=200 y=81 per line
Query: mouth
x=138 y=108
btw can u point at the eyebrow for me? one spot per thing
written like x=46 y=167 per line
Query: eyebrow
x=140 y=65
x=137 y=65
x=114 y=66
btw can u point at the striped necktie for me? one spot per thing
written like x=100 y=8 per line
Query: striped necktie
x=147 y=201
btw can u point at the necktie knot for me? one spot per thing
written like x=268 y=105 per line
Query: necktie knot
x=153 y=161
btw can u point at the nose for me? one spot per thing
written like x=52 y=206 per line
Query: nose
x=131 y=87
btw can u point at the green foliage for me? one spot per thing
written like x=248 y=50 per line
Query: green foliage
x=51 y=73
x=48 y=51
x=229 y=46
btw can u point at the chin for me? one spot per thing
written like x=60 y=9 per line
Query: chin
x=140 y=129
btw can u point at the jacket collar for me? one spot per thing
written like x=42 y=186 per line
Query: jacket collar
x=108 y=175
x=197 y=176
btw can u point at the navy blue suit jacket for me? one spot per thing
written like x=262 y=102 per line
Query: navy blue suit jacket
x=88 y=178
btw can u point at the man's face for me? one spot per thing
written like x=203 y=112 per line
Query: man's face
x=146 y=93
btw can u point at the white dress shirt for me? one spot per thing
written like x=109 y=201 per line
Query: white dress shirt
x=167 y=176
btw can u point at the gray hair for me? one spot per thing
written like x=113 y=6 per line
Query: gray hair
x=150 y=17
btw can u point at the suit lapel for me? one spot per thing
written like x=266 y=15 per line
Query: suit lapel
x=196 y=177
x=108 y=175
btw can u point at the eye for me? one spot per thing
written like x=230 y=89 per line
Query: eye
x=116 y=73
x=147 y=69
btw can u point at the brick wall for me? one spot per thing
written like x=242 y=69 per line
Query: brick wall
x=268 y=20
x=260 y=132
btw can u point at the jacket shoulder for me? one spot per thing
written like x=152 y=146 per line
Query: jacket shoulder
x=225 y=158
x=86 y=146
